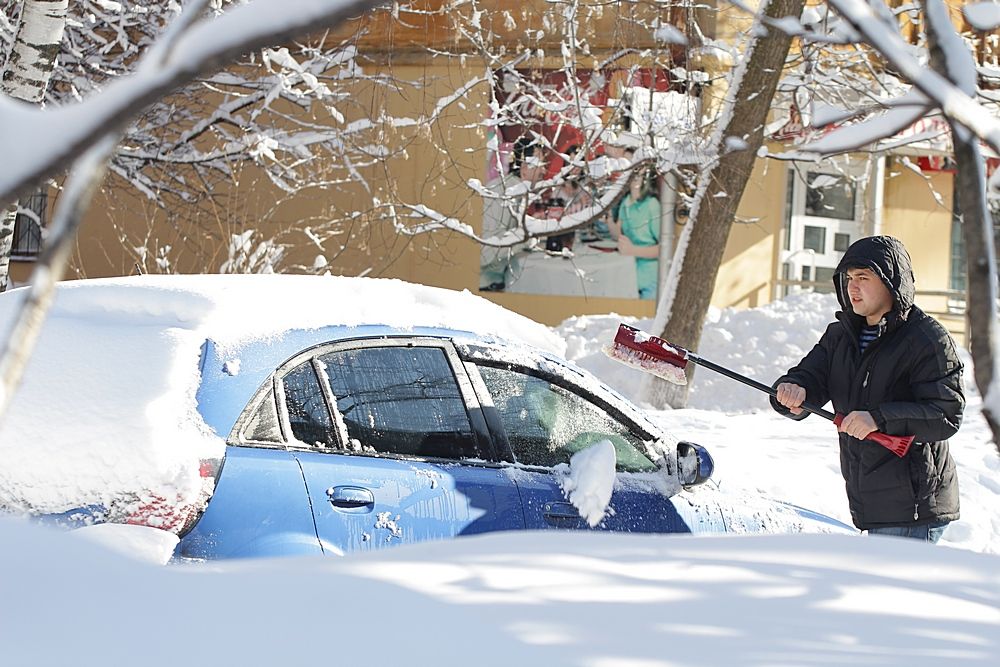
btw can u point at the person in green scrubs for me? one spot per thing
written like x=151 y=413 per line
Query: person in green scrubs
x=637 y=229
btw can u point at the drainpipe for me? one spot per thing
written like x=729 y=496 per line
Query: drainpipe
x=668 y=204
x=877 y=196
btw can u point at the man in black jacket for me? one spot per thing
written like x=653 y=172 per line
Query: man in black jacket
x=890 y=367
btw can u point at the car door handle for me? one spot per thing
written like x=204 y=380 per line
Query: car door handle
x=557 y=511
x=350 y=496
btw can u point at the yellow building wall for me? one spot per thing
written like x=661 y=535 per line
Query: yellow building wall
x=745 y=280
x=914 y=216
x=746 y=276
x=20 y=272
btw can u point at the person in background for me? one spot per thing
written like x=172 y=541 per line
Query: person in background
x=565 y=198
x=575 y=195
x=571 y=197
x=619 y=154
x=502 y=213
x=637 y=229
x=888 y=367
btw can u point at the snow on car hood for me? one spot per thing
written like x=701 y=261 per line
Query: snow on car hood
x=107 y=406
x=746 y=512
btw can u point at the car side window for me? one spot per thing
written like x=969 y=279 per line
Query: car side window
x=400 y=400
x=307 y=410
x=262 y=426
x=546 y=423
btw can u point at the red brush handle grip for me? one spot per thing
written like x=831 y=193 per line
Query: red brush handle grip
x=897 y=444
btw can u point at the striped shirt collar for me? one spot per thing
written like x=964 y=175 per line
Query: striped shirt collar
x=867 y=335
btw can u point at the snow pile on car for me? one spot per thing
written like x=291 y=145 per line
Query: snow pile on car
x=107 y=405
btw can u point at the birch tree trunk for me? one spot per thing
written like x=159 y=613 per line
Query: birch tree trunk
x=688 y=292
x=25 y=77
x=976 y=220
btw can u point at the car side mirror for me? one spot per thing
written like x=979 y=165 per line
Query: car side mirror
x=694 y=464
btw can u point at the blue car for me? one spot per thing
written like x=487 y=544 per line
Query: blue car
x=342 y=439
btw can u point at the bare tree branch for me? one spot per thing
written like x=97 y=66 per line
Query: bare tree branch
x=210 y=43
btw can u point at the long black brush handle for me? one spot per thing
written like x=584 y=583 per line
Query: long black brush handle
x=897 y=444
x=695 y=359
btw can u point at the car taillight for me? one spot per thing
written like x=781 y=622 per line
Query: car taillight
x=175 y=516
x=209 y=469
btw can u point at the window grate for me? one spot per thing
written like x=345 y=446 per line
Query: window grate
x=28 y=226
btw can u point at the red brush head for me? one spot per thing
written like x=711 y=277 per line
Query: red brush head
x=648 y=353
x=655 y=347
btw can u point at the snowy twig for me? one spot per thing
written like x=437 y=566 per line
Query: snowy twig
x=27 y=134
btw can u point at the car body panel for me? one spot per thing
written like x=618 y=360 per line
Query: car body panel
x=745 y=512
x=820 y=521
x=260 y=508
x=634 y=507
x=364 y=503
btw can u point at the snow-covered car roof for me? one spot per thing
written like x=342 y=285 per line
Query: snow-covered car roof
x=108 y=402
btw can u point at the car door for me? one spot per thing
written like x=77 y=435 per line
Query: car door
x=393 y=450
x=544 y=419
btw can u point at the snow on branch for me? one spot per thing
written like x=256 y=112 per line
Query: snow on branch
x=954 y=102
x=531 y=226
x=983 y=16
x=40 y=143
x=900 y=116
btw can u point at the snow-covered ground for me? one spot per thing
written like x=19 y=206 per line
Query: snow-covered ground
x=575 y=599
x=98 y=597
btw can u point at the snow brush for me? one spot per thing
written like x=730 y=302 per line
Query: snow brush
x=654 y=355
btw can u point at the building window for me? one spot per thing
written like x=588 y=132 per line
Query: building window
x=28 y=226
x=786 y=242
x=841 y=242
x=814 y=238
x=824 y=278
x=957 y=273
x=957 y=278
x=829 y=196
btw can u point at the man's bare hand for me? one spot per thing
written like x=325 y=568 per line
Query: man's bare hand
x=858 y=424
x=791 y=396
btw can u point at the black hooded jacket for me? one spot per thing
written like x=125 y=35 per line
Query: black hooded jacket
x=909 y=379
